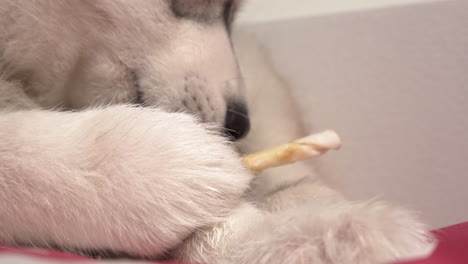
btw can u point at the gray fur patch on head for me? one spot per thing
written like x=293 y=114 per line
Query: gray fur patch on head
x=206 y=10
x=200 y=10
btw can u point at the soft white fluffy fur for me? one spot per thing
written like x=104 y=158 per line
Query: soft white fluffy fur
x=156 y=180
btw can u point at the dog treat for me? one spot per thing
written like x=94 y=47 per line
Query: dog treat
x=297 y=150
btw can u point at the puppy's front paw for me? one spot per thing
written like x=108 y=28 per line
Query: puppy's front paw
x=132 y=180
x=367 y=233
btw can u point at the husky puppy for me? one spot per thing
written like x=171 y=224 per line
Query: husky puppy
x=112 y=123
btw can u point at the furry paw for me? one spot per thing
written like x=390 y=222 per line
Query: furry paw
x=359 y=233
x=171 y=174
x=125 y=179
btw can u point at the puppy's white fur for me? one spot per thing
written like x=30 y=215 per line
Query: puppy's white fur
x=147 y=182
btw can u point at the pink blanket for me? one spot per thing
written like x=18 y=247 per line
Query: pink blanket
x=452 y=247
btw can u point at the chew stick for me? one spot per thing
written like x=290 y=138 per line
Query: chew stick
x=297 y=150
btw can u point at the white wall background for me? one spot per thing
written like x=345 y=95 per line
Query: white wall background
x=271 y=10
x=393 y=81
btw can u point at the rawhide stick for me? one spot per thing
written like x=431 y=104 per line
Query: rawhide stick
x=297 y=150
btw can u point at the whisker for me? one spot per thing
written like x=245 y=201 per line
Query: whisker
x=238 y=113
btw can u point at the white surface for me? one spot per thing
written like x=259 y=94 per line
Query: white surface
x=394 y=84
x=272 y=10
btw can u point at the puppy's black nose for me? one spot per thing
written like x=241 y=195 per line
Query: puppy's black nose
x=237 y=123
